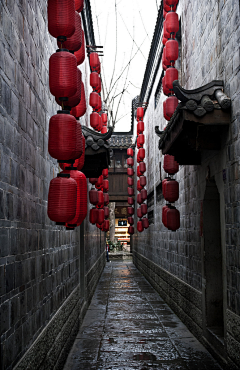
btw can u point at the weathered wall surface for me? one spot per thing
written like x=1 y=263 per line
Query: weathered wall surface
x=39 y=262
x=173 y=261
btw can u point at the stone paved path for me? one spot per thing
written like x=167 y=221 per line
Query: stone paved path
x=128 y=326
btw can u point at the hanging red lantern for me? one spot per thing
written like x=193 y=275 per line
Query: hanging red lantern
x=166 y=34
x=79 y=5
x=93 y=99
x=171 y=191
x=164 y=40
x=138 y=171
x=173 y=219
x=105 y=226
x=106 y=198
x=74 y=100
x=141 y=153
x=171 y=3
x=80 y=53
x=166 y=91
x=106 y=212
x=61 y=18
x=164 y=185
x=105 y=173
x=130 y=201
x=81 y=108
x=139 y=226
x=94 y=61
x=79 y=162
x=104 y=130
x=130 y=181
x=139 y=198
x=172 y=23
x=142 y=167
x=99 y=182
x=100 y=218
x=65 y=137
x=130 y=152
x=165 y=61
x=138 y=159
x=130 y=171
x=104 y=118
x=139 y=187
x=130 y=162
x=168 y=8
x=130 y=191
x=140 y=127
x=139 y=212
x=93 y=215
x=170 y=165
x=74 y=42
x=63 y=74
x=94 y=80
x=170 y=76
x=144 y=194
x=93 y=196
x=130 y=220
x=164 y=213
x=131 y=230
x=171 y=50
x=143 y=181
x=62 y=198
x=164 y=112
x=141 y=139
x=105 y=186
x=171 y=105
x=145 y=223
x=144 y=209
x=100 y=203
x=130 y=210
x=100 y=226
x=94 y=118
x=93 y=180
x=140 y=113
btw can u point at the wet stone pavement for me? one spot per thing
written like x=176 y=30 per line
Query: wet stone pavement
x=128 y=326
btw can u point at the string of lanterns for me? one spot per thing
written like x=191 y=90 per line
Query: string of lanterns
x=130 y=180
x=170 y=187
x=67 y=198
x=143 y=222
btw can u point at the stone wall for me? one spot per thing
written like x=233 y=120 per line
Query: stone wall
x=210 y=50
x=40 y=285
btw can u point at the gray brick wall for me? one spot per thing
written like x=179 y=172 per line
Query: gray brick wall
x=39 y=262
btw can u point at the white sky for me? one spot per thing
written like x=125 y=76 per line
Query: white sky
x=134 y=19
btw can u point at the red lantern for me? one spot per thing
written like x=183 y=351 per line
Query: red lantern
x=166 y=34
x=94 y=61
x=139 y=226
x=93 y=196
x=94 y=80
x=81 y=108
x=141 y=139
x=105 y=225
x=61 y=18
x=105 y=186
x=93 y=180
x=65 y=137
x=139 y=198
x=130 y=162
x=138 y=171
x=139 y=187
x=94 y=119
x=93 y=216
x=79 y=5
x=164 y=213
x=170 y=76
x=62 y=198
x=130 y=230
x=130 y=181
x=130 y=152
x=100 y=203
x=104 y=130
x=164 y=112
x=168 y=8
x=99 y=182
x=173 y=219
x=74 y=42
x=144 y=209
x=100 y=218
x=105 y=173
x=165 y=61
x=80 y=53
x=130 y=211
x=170 y=107
x=104 y=118
x=81 y=202
x=141 y=153
x=171 y=191
x=63 y=74
x=140 y=113
x=140 y=127
x=145 y=223
x=171 y=3
x=164 y=185
x=171 y=50
x=142 y=167
x=144 y=194
x=130 y=201
x=106 y=198
x=74 y=100
x=166 y=91
x=143 y=181
x=139 y=212
x=130 y=171
x=130 y=191
x=170 y=165
x=106 y=212
x=93 y=99
x=172 y=23
x=130 y=220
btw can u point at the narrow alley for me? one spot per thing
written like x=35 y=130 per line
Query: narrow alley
x=128 y=326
